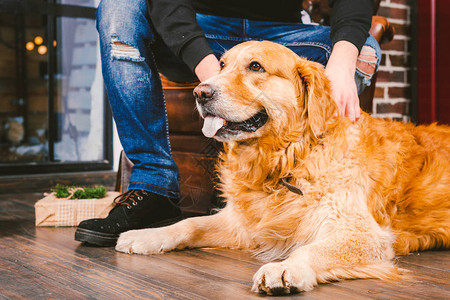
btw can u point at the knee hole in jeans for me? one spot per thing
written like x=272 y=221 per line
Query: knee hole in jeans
x=367 y=60
x=123 y=51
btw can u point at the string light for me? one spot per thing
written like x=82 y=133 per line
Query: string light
x=29 y=46
x=42 y=50
x=38 y=40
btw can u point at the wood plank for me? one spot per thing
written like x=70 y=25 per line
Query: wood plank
x=83 y=275
x=196 y=181
x=422 y=286
x=198 y=144
x=181 y=111
x=48 y=263
x=241 y=270
x=19 y=282
x=64 y=248
x=439 y=260
x=428 y=274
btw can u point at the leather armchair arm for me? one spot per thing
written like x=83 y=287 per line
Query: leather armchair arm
x=382 y=30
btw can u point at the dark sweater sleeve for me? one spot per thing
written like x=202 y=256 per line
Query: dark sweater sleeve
x=175 y=21
x=350 y=21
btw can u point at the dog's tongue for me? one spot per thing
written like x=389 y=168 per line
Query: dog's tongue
x=211 y=125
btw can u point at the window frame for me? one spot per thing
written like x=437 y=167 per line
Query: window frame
x=53 y=10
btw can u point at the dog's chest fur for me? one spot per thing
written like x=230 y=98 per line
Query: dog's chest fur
x=363 y=172
x=278 y=220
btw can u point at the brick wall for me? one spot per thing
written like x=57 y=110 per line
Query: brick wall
x=393 y=89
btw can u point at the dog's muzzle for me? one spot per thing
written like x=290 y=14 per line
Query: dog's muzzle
x=214 y=124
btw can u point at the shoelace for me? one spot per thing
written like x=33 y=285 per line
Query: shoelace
x=129 y=198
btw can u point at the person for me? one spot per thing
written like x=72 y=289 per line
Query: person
x=183 y=39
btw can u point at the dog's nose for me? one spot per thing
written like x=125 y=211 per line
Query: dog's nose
x=203 y=92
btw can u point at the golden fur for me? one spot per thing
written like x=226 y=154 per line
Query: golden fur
x=371 y=189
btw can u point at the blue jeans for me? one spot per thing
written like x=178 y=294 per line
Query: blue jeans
x=134 y=87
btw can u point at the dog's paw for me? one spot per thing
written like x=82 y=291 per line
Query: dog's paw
x=145 y=241
x=282 y=278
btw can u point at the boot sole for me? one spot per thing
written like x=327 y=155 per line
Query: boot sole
x=110 y=239
x=96 y=238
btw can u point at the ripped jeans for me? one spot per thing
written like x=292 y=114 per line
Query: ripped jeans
x=133 y=56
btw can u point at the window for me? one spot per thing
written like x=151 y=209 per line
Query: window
x=53 y=112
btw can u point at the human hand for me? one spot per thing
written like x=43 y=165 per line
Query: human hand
x=207 y=67
x=340 y=71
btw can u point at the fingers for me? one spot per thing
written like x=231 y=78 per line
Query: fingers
x=342 y=106
x=357 y=111
x=352 y=110
x=348 y=105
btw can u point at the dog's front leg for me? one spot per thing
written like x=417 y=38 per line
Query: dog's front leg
x=207 y=231
x=348 y=253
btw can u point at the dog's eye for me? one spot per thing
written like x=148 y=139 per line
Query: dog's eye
x=255 y=66
x=222 y=64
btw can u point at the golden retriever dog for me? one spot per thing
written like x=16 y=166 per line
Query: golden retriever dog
x=319 y=196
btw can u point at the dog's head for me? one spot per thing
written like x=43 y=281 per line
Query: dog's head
x=265 y=89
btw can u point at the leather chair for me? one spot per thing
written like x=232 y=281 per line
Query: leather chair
x=194 y=154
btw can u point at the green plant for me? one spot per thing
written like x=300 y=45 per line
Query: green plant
x=62 y=191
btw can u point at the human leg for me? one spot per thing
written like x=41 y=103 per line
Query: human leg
x=135 y=94
x=367 y=63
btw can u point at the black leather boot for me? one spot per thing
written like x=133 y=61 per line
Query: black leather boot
x=135 y=209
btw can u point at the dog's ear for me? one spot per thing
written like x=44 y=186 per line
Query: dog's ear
x=314 y=93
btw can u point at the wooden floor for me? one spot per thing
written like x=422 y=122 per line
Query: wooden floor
x=46 y=263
